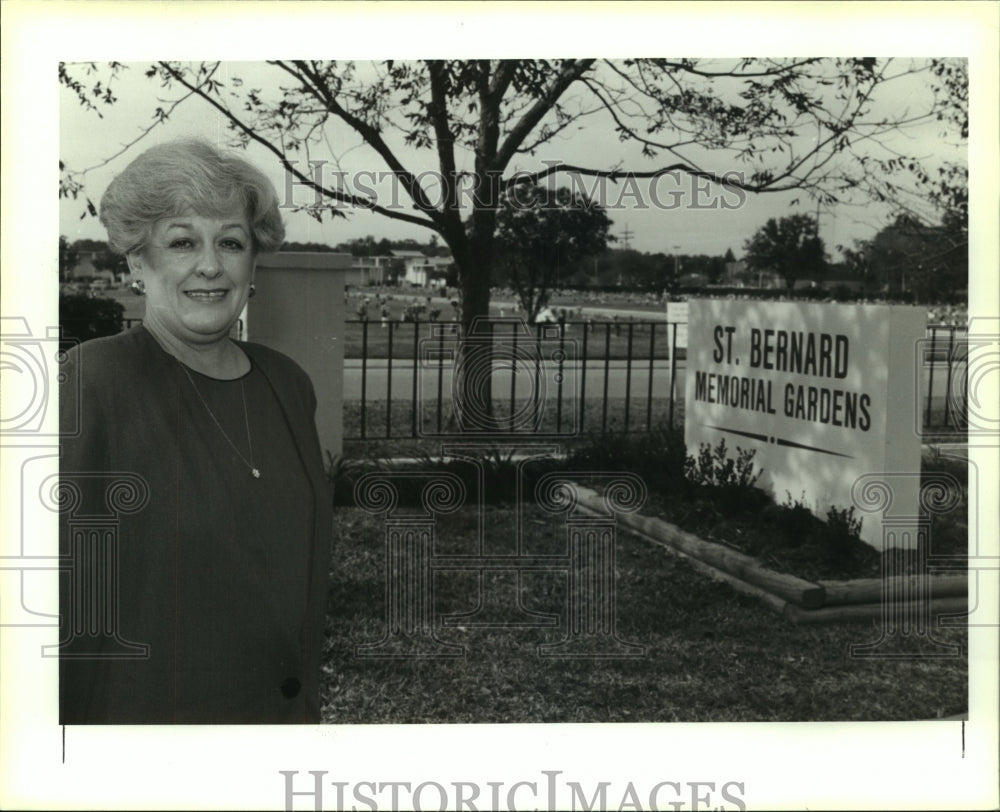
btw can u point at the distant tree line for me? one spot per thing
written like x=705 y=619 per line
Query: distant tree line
x=101 y=257
x=907 y=259
x=368 y=246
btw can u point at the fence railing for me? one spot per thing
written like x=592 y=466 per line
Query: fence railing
x=946 y=351
x=562 y=379
x=557 y=379
x=603 y=376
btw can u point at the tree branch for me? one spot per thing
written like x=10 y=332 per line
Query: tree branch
x=335 y=194
x=730 y=180
x=315 y=85
x=570 y=73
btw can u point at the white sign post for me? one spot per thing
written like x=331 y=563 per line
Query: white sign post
x=824 y=394
x=677 y=313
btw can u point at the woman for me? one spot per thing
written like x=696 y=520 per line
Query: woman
x=219 y=602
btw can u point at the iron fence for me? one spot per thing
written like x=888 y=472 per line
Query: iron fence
x=556 y=379
x=605 y=376
x=627 y=376
x=947 y=346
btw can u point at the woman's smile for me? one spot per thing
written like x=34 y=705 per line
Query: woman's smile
x=207 y=296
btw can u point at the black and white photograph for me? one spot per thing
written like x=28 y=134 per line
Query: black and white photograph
x=601 y=430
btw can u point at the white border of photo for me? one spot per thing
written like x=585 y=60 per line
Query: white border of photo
x=919 y=765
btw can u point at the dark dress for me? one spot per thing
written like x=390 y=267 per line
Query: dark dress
x=220 y=575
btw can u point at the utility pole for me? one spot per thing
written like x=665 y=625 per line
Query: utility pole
x=627 y=237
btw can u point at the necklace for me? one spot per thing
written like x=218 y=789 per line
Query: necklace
x=248 y=462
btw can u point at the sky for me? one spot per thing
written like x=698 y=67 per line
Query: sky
x=670 y=215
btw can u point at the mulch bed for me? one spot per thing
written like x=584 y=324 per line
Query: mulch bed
x=797 y=543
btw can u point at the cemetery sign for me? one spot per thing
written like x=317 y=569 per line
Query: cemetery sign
x=824 y=393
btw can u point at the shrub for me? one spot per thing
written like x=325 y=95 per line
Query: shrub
x=657 y=457
x=730 y=481
x=716 y=469
x=841 y=538
x=843 y=523
x=494 y=468
x=795 y=520
x=83 y=318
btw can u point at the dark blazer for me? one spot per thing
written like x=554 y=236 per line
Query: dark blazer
x=123 y=393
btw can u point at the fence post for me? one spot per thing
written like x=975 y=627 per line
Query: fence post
x=607 y=357
x=440 y=385
x=388 y=383
x=673 y=370
x=560 y=358
x=628 y=374
x=364 y=374
x=513 y=368
x=947 y=388
x=583 y=376
x=416 y=361
x=649 y=388
x=930 y=378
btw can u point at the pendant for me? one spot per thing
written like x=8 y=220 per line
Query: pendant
x=256 y=473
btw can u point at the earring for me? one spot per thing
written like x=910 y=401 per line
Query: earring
x=253 y=291
x=138 y=287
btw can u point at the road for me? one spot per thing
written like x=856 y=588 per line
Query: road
x=574 y=376
x=523 y=380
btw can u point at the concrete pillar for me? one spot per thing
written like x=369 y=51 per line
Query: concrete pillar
x=299 y=310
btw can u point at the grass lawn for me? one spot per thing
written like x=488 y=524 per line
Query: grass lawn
x=710 y=653
x=780 y=533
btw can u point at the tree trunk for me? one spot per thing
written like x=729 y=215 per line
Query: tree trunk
x=472 y=388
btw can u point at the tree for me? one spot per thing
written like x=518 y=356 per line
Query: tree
x=924 y=250
x=310 y=247
x=101 y=257
x=82 y=318
x=542 y=236
x=755 y=125
x=789 y=247
x=911 y=257
x=107 y=260
x=69 y=257
x=716 y=269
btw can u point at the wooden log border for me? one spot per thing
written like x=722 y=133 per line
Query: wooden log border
x=796 y=599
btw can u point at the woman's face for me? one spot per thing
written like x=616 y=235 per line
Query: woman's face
x=197 y=273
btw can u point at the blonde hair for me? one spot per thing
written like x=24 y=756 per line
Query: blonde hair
x=188 y=175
